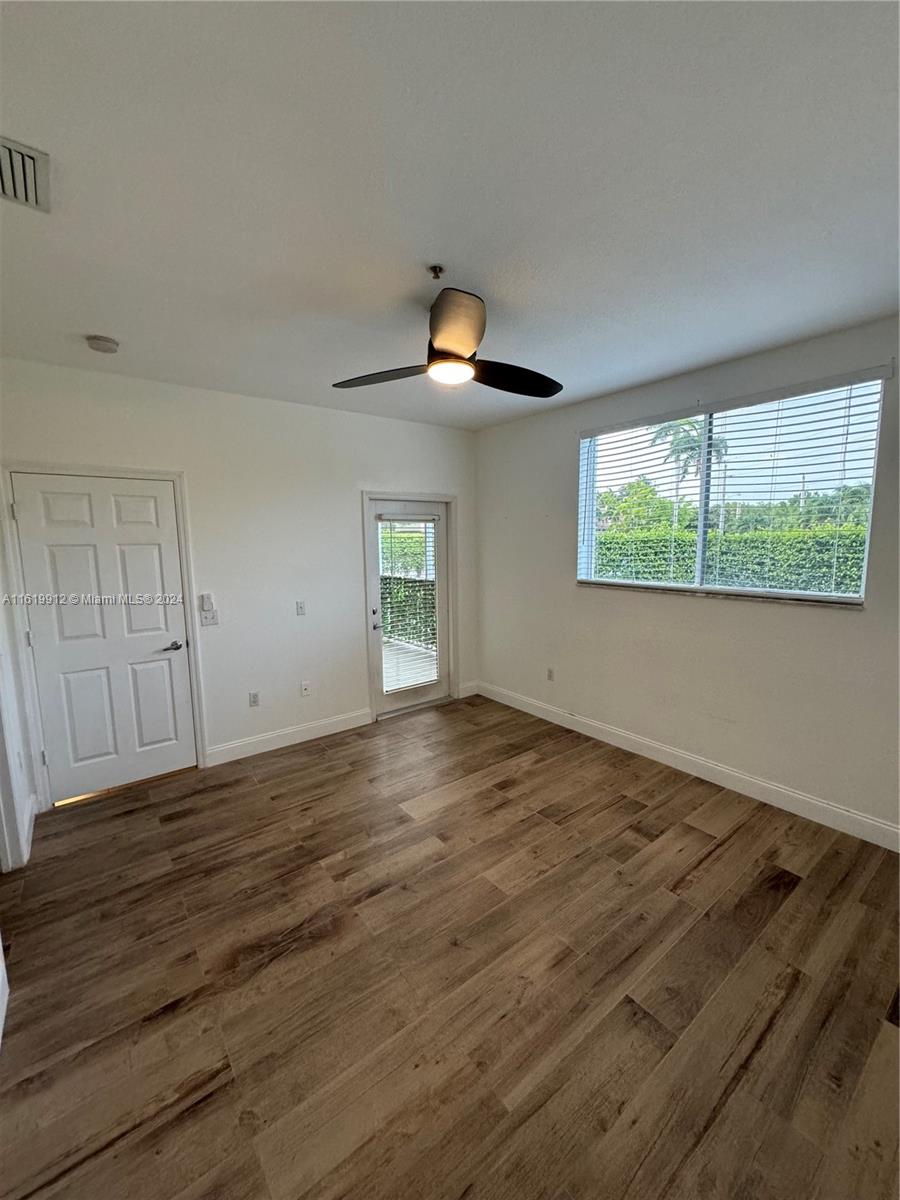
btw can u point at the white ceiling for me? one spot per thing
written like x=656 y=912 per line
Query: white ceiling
x=247 y=195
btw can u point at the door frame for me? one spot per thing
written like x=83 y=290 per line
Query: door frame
x=452 y=631
x=25 y=660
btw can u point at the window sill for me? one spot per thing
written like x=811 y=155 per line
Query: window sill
x=688 y=589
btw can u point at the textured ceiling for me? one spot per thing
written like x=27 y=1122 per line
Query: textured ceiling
x=247 y=195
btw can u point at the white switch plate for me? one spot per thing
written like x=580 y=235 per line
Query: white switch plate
x=301 y=608
x=254 y=699
x=305 y=688
x=209 y=618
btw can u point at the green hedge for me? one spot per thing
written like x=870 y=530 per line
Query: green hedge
x=409 y=610
x=821 y=559
x=403 y=552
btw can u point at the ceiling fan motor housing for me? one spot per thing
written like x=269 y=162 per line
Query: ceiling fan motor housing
x=457 y=322
x=435 y=355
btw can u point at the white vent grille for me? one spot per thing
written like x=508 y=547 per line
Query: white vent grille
x=24 y=174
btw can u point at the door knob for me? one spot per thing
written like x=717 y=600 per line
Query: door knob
x=173 y=645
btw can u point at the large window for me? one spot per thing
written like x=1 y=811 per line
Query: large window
x=771 y=497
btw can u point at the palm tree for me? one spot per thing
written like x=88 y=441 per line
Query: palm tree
x=686 y=443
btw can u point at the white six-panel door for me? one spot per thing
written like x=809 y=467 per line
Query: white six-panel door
x=113 y=676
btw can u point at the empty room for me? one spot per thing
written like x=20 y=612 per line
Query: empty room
x=449 y=639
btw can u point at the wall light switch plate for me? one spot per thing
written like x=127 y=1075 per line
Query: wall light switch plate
x=301 y=608
x=210 y=617
x=305 y=688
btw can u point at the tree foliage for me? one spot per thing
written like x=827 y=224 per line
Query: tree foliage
x=685 y=438
x=638 y=505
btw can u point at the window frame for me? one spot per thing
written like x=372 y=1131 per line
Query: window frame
x=707 y=409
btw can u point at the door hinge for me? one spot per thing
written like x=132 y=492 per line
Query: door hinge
x=44 y=758
x=29 y=638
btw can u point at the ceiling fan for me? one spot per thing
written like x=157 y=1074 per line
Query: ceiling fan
x=456 y=327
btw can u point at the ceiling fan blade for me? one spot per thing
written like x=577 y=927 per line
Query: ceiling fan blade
x=382 y=377
x=457 y=322
x=507 y=378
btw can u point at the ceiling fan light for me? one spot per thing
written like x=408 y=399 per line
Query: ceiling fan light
x=451 y=370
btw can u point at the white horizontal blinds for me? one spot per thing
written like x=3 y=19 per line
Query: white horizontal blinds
x=587 y=520
x=407 y=567
x=791 y=486
x=640 y=490
x=778 y=494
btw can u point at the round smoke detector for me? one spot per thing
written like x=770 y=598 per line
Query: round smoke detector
x=103 y=345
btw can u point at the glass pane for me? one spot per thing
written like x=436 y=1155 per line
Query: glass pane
x=406 y=551
x=639 y=496
x=791 y=493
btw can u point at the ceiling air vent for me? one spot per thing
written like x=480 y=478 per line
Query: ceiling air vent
x=24 y=174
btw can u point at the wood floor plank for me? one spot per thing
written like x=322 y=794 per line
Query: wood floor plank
x=313 y=1137
x=817 y=1047
x=536 y=1147
x=524 y=1050
x=87 y=1102
x=643 y=1153
x=801 y=845
x=725 y=858
x=747 y=1152
x=682 y=981
x=673 y=805
x=519 y=871
x=587 y=916
x=883 y=889
x=863 y=1160
x=722 y=811
x=435 y=885
x=817 y=910
x=461 y=954
x=302 y=1149
x=445 y=959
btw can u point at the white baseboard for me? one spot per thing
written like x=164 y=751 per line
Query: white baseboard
x=846 y=820
x=467 y=689
x=242 y=747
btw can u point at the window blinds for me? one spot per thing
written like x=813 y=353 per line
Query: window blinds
x=773 y=497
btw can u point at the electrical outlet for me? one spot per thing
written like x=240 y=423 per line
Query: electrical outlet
x=301 y=608
x=305 y=688
x=254 y=699
x=551 y=674
x=210 y=617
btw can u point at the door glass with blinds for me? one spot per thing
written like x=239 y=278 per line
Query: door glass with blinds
x=407 y=592
x=770 y=498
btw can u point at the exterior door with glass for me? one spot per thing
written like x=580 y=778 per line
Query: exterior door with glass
x=408 y=605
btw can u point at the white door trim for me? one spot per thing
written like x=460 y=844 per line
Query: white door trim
x=25 y=661
x=452 y=629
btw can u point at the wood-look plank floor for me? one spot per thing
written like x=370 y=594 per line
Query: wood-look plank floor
x=458 y=954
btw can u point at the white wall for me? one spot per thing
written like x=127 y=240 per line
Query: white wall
x=275 y=514
x=800 y=696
